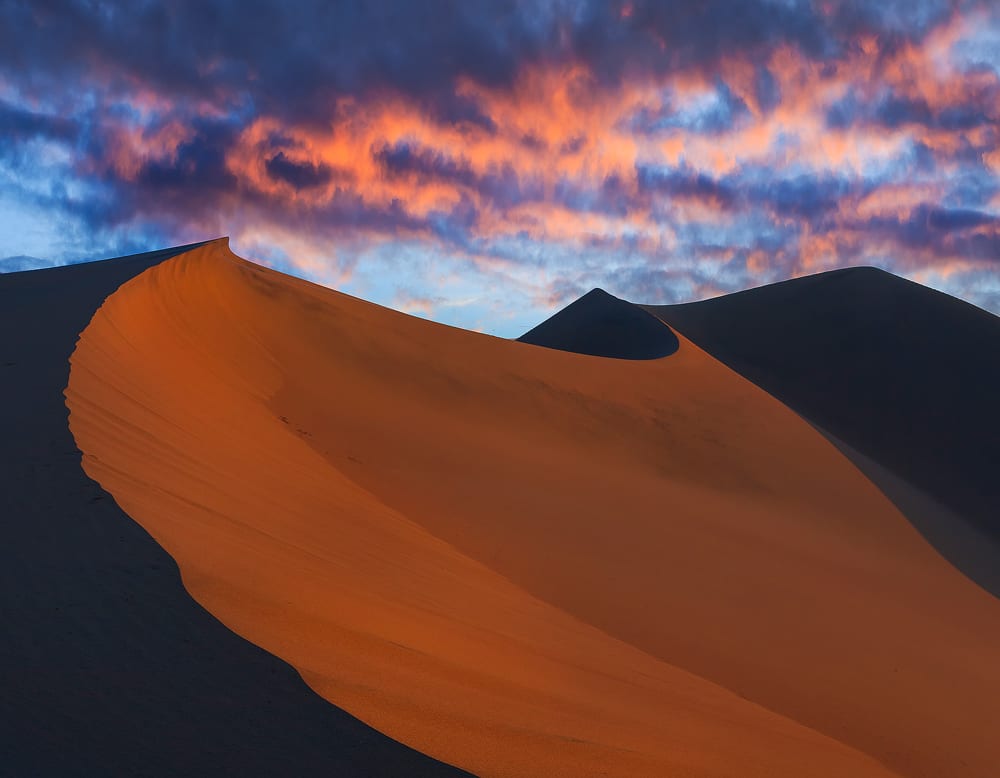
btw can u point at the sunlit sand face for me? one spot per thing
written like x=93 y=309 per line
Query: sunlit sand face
x=526 y=562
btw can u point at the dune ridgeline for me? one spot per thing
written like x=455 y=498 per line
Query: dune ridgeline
x=523 y=561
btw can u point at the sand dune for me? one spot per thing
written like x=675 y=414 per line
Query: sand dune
x=529 y=562
x=107 y=665
x=601 y=325
x=904 y=374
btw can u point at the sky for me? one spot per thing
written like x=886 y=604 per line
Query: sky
x=485 y=163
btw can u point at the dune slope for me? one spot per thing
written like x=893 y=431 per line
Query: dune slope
x=525 y=561
x=904 y=374
x=107 y=665
x=895 y=375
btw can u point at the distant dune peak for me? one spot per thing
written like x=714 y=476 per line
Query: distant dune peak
x=602 y=325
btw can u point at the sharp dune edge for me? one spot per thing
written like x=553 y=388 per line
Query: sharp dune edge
x=905 y=374
x=107 y=665
x=528 y=562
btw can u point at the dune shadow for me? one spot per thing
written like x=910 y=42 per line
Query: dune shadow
x=601 y=325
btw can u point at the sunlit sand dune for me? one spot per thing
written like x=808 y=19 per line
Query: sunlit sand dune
x=528 y=562
x=108 y=667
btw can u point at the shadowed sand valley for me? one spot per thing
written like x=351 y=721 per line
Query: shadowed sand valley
x=524 y=561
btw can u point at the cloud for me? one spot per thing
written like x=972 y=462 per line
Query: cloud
x=21 y=262
x=18 y=123
x=699 y=144
x=686 y=183
x=301 y=175
x=403 y=159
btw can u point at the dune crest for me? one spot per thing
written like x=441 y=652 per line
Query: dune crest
x=904 y=375
x=527 y=562
x=602 y=325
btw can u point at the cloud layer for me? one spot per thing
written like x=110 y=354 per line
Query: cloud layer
x=470 y=160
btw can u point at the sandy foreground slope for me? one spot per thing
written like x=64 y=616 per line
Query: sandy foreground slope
x=528 y=562
x=108 y=667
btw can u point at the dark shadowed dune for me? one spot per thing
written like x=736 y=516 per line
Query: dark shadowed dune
x=906 y=375
x=602 y=325
x=969 y=548
x=107 y=666
x=903 y=375
x=904 y=380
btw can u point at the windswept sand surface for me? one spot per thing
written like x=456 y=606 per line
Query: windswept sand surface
x=108 y=667
x=530 y=562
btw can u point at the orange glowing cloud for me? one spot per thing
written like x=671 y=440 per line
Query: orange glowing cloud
x=761 y=159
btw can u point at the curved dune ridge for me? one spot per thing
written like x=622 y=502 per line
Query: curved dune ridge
x=107 y=664
x=523 y=561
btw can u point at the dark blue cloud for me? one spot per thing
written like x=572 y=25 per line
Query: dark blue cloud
x=294 y=59
x=301 y=175
x=808 y=197
x=953 y=219
x=404 y=159
x=843 y=113
x=199 y=164
x=684 y=183
x=501 y=186
x=893 y=111
x=948 y=232
x=19 y=124
x=459 y=110
x=767 y=90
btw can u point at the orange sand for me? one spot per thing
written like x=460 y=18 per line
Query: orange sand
x=523 y=561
